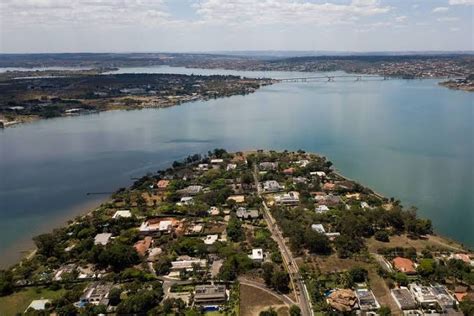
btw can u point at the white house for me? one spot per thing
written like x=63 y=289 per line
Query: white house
x=102 y=239
x=123 y=214
x=210 y=239
x=322 y=209
x=257 y=255
x=318 y=228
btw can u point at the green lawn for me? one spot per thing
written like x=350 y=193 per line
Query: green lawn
x=17 y=302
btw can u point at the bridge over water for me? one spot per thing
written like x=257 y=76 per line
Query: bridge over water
x=333 y=78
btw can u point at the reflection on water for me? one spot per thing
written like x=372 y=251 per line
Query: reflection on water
x=408 y=139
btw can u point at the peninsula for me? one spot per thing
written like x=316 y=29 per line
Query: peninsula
x=30 y=95
x=245 y=233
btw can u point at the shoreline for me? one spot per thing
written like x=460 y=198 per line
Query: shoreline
x=24 y=248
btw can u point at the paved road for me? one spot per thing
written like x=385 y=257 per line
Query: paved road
x=297 y=282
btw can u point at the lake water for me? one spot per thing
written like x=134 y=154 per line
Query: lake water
x=409 y=139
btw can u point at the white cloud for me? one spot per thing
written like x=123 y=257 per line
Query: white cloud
x=236 y=12
x=461 y=2
x=448 y=19
x=440 y=9
x=401 y=18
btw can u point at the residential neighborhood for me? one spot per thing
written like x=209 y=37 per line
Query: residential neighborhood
x=214 y=233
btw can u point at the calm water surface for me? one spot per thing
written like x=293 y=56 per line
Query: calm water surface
x=409 y=139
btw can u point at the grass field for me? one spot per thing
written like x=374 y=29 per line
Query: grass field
x=418 y=244
x=17 y=302
x=253 y=301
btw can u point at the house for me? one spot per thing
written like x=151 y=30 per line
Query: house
x=329 y=186
x=96 y=294
x=203 y=167
x=210 y=294
x=460 y=292
x=322 y=209
x=38 y=305
x=364 y=205
x=216 y=161
x=289 y=171
x=186 y=200
x=319 y=228
x=230 y=166
x=342 y=300
x=122 y=214
x=243 y=213
x=404 y=265
x=193 y=189
x=290 y=198
x=319 y=174
x=186 y=263
x=445 y=300
x=271 y=186
x=162 y=184
x=268 y=165
x=214 y=211
x=158 y=225
x=423 y=295
x=302 y=163
x=64 y=270
x=257 y=255
x=211 y=239
x=366 y=300
x=463 y=257
x=403 y=298
x=297 y=180
x=143 y=245
x=237 y=198
x=102 y=239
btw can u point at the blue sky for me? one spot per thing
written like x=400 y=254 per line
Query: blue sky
x=28 y=26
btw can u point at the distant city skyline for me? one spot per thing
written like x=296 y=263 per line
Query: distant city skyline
x=49 y=26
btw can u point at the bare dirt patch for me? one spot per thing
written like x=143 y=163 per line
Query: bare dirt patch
x=253 y=301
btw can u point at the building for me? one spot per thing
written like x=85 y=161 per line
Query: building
x=211 y=239
x=162 y=184
x=257 y=255
x=423 y=295
x=203 y=167
x=230 y=166
x=143 y=245
x=38 y=305
x=289 y=171
x=366 y=300
x=404 y=265
x=445 y=300
x=237 y=198
x=216 y=161
x=158 y=225
x=102 y=239
x=271 y=186
x=403 y=298
x=319 y=174
x=268 y=165
x=243 y=213
x=319 y=228
x=193 y=189
x=342 y=300
x=96 y=294
x=214 y=211
x=187 y=263
x=322 y=209
x=290 y=198
x=122 y=214
x=210 y=294
x=186 y=200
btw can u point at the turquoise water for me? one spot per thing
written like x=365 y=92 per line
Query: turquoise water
x=409 y=139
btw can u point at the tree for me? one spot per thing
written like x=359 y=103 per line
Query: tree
x=163 y=265
x=467 y=307
x=426 y=267
x=6 y=283
x=118 y=256
x=295 y=310
x=358 y=274
x=268 y=312
x=316 y=242
x=346 y=245
x=280 y=281
x=401 y=278
x=384 y=311
x=382 y=235
x=268 y=269
x=234 y=229
x=114 y=296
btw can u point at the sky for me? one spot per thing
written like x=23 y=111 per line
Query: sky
x=43 y=26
